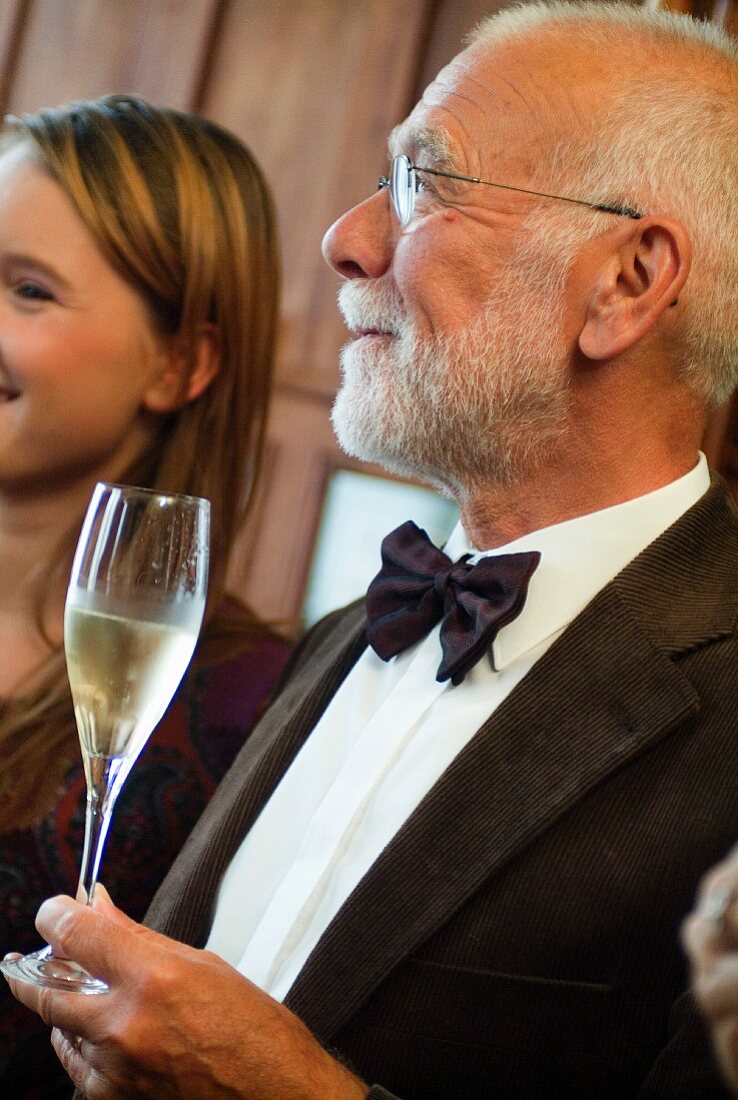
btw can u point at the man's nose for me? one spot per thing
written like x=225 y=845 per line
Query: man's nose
x=359 y=245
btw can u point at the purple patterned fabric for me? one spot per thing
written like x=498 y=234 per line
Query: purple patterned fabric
x=178 y=771
x=418 y=585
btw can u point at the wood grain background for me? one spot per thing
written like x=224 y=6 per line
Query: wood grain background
x=313 y=87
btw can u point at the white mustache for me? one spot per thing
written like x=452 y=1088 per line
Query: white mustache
x=376 y=306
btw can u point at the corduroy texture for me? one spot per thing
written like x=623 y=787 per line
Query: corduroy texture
x=518 y=937
x=194 y=881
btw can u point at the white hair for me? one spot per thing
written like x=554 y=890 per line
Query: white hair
x=665 y=140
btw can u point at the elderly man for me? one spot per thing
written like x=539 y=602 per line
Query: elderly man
x=454 y=864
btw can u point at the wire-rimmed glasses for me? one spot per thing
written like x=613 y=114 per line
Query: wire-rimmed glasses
x=403 y=184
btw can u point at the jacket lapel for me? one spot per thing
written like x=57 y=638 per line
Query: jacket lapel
x=606 y=691
x=183 y=905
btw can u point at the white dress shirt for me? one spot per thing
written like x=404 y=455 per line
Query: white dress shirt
x=390 y=732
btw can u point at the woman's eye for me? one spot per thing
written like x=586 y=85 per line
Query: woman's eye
x=33 y=292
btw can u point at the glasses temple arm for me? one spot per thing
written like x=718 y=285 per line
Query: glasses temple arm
x=623 y=211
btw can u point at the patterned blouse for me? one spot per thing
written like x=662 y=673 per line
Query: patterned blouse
x=165 y=794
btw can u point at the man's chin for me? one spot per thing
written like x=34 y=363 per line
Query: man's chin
x=355 y=430
x=350 y=431
x=354 y=425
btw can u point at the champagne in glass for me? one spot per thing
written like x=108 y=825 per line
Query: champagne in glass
x=134 y=606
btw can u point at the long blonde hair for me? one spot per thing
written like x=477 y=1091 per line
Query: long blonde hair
x=178 y=206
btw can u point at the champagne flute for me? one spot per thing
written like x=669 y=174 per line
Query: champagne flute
x=134 y=606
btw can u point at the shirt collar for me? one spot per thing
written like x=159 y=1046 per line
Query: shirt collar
x=580 y=556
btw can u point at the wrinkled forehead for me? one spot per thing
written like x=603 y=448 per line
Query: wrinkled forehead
x=505 y=99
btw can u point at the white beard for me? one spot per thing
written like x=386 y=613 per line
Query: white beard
x=478 y=408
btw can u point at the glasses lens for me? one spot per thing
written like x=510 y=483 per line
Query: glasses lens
x=403 y=188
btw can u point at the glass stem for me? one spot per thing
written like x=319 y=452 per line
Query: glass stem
x=105 y=776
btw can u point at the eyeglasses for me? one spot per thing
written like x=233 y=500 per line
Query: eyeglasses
x=404 y=185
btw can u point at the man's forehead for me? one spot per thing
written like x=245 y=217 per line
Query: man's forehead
x=422 y=134
x=485 y=97
x=508 y=97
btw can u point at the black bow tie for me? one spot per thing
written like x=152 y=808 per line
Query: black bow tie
x=418 y=585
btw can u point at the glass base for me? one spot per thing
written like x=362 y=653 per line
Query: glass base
x=42 y=968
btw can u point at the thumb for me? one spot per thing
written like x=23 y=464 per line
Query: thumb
x=100 y=937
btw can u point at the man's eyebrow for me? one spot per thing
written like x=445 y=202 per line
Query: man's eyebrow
x=426 y=147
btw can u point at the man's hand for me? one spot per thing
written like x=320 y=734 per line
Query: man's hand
x=176 y=1023
x=710 y=936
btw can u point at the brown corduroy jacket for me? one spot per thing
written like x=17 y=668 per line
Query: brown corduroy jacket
x=519 y=935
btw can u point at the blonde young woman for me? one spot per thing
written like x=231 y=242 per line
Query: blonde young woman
x=138 y=297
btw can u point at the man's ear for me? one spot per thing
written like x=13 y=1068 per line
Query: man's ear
x=643 y=276
x=186 y=372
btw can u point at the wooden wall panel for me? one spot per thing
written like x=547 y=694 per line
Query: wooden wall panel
x=451 y=25
x=314 y=86
x=272 y=557
x=85 y=48
x=12 y=19
x=341 y=74
x=722 y=12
